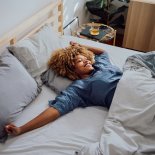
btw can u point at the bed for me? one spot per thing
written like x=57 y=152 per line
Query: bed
x=127 y=128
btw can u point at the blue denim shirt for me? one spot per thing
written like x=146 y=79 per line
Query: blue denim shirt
x=96 y=90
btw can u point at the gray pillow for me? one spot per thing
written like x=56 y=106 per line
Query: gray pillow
x=34 y=51
x=18 y=89
x=54 y=81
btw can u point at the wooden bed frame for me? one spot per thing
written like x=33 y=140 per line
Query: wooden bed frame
x=53 y=14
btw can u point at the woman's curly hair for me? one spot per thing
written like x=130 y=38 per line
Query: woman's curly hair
x=62 y=60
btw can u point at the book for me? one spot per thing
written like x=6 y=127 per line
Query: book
x=86 y=32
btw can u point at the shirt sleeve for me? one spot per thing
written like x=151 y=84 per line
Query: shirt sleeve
x=102 y=59
x=67 y=101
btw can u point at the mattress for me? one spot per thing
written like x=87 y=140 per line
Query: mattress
x=70 y=132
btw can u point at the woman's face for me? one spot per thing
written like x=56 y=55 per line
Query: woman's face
x=83 y=66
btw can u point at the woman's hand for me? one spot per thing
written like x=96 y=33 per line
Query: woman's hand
x=11 y=129
x=74 y=44
x=93 y=49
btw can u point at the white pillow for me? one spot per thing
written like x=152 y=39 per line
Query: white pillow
x=34 y=52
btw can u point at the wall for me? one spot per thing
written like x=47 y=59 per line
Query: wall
x=72 y=9
x=13 y=12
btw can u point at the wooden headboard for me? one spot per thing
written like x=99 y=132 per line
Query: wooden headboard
x=53 y=13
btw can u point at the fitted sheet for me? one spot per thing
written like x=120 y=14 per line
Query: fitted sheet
x=70 y=132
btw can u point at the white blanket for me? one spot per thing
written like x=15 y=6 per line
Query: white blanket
x=130 y=126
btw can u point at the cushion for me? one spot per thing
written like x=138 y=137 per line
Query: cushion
x=54 y=81
x=34 y=52
x=18 y=89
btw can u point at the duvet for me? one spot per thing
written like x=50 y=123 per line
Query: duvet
x=130 y=126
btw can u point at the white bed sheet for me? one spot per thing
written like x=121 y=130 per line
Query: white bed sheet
x=70 y=132
x=62 y=137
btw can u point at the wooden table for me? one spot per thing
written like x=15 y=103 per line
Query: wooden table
x=109 y=38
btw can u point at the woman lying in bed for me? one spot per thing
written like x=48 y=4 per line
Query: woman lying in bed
x=95 y=83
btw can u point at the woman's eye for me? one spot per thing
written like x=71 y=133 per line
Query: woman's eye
x=79 y=60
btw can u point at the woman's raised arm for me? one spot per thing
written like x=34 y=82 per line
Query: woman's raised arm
x=93 y=49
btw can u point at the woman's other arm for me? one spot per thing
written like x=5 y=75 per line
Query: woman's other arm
x=93 y=49
x=71 y=101
x=47 y=116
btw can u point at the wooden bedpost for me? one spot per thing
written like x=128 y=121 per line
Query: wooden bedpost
x=13 y=41
x=60 y=18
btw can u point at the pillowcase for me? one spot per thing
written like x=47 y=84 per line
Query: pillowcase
x=34 y=52
x=54 y=81
x=18 y=89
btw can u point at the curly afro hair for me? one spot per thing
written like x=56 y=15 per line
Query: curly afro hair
x=62 y=60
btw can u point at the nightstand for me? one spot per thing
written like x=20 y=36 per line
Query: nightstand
x=107 y=34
